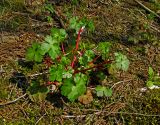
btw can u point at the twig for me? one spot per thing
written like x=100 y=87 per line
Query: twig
x=33 y=75
x=65 y=102
x=109 y=113
x=24 y=113
x=134 y=113
x=60 y=20
x=40 y=118
x=154 y=28
x=13 y=101
x=11 y=91
x=38 y=74
x=103 y=2
x=146 y=8
x=120 y=82
x=20 y=13
x=98 y=112
x=151 y=26
x=73 y=116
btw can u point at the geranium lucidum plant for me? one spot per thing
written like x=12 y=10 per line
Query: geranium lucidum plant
x=71 y=66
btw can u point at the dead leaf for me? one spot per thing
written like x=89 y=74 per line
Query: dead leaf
x=87 y=98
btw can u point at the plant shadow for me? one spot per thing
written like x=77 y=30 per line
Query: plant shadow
x=56 y=99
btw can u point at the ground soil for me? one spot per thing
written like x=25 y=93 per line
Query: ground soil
x=115 y=21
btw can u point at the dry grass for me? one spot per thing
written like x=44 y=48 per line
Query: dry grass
x=115 y=22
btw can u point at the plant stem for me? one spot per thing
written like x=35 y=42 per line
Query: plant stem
x=96 y=66
x=74 y=59
x=62 y=46
x=77 y=46
x=78 y=39
x=94 y=60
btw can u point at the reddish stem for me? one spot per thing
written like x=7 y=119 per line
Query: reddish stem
x=77 y=45
x=62 y=46
x=77 y=40
x=79 y=37
x=94 y=60
x=74 y=59
x=48 y=61
x=96 y=66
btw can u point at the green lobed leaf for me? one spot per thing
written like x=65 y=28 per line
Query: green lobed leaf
x=150 y=84
x=73 y=94
x=68 y=73
x=34 y=53
x=45 y=48
x=58 y=34
x=150 y=73
x=65 y=60
x=51 y=47
x=83 y=60
x=56 y=73
x=76 y=24
x=156 y=79
x=50 y=40
x=67 y=86
x=90 y=54
x=87 y=57
x=54 y=51
x=121 y=61
x=73 y=22
x=80 y=79
x=74 y=87
x=103 y=48
x=103 y=91
x=76 y=91
x=88 y=23
x=108 y=92
x=153 y=79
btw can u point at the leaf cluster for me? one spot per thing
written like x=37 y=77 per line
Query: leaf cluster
x=76 y=24
x=74 y=86
x=50 y=46
x=121 y=61
x=103 y=91
x=153 y=78
x=73 y=80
